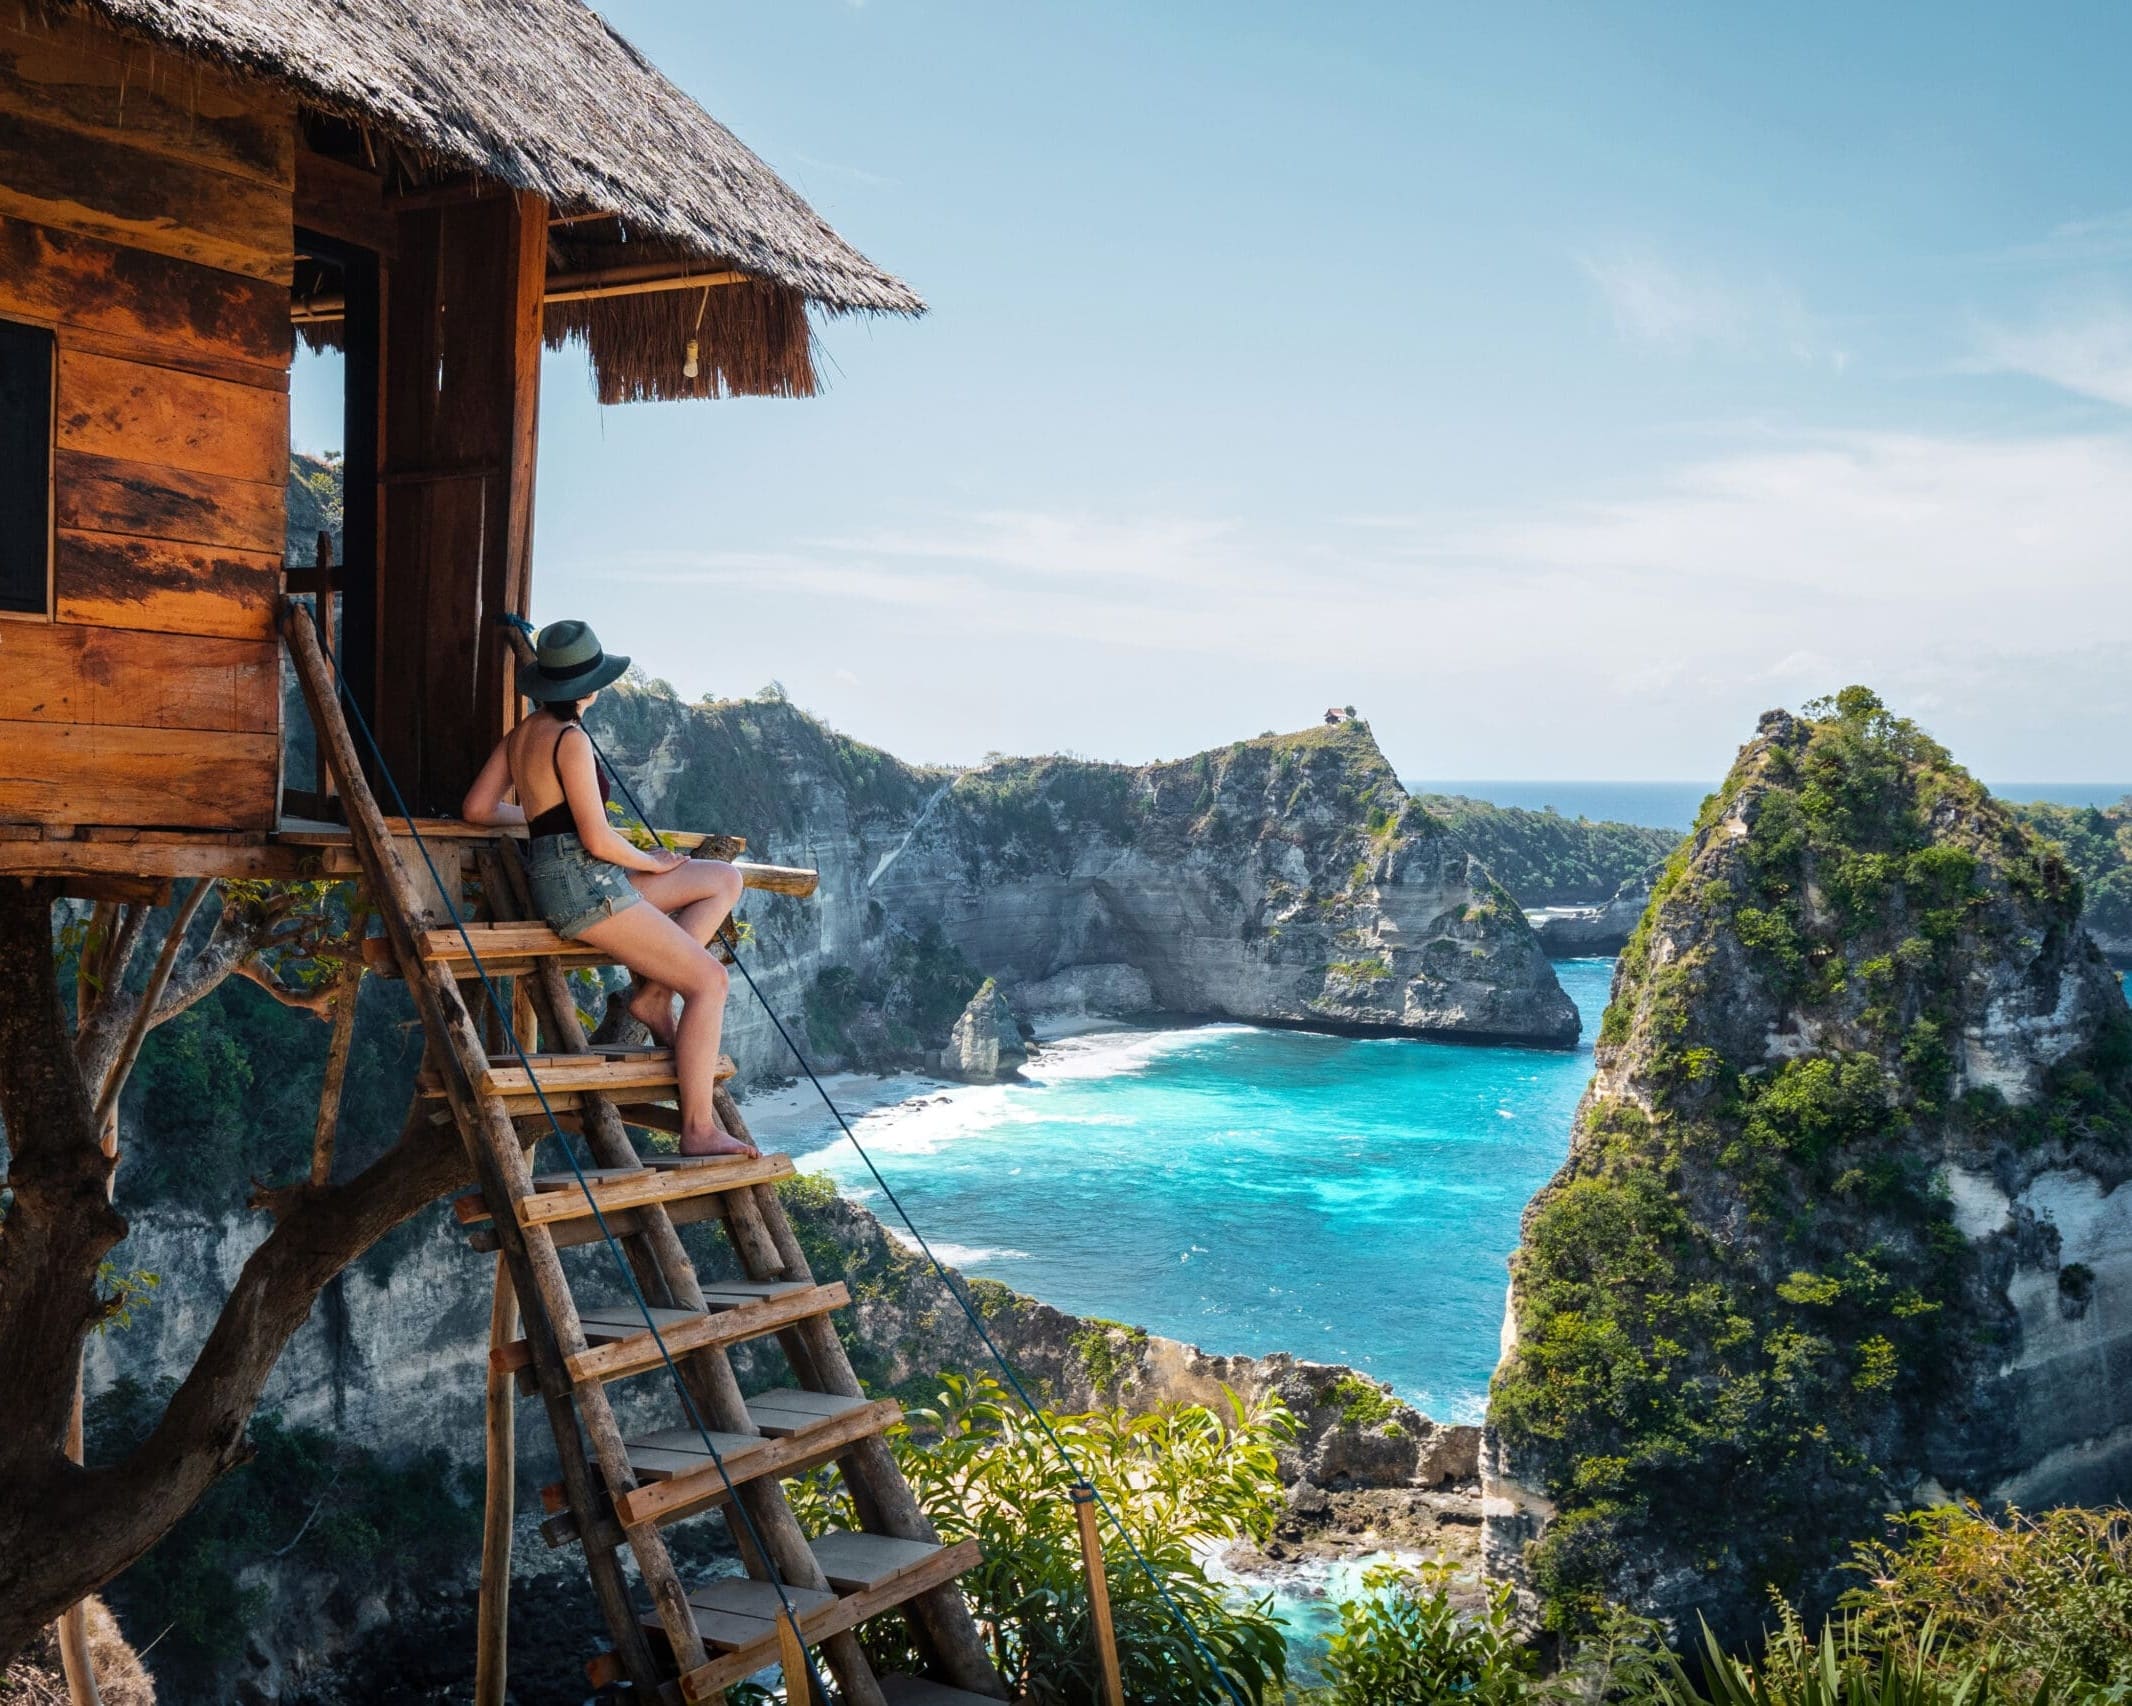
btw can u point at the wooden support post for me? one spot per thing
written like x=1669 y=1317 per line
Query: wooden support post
x=328 y=622
x=329 y=1091
x=1084 y=1512
x=792 y=1659
x=492 y=1624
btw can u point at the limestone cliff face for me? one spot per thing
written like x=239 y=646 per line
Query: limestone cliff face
x=1286 y=880
x=1845 y=1225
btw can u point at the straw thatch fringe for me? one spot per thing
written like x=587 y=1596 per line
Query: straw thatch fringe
x=541 y=95
x=753 y=340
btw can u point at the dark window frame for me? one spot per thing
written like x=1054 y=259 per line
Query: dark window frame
x=18 y=602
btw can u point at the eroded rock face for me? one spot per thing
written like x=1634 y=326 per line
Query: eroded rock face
x=1285 y=880
x=986 y=1044
x=1567 y=931
x=1845 y=1225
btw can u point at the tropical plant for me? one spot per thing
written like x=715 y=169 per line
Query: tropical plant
x=1173 y=1480
x=1405 y=1644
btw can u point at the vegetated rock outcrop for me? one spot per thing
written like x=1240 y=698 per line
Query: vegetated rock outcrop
x=1845 y=1225
x=1284 y=880
x=1546 y=859
x=2097 y=841
x=1287 y=879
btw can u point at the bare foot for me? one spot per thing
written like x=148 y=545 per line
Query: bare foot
x=652 y=1006
x=719 y=1142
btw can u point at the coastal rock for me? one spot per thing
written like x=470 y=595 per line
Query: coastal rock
x=1846 y=1224
x=986 y=1044
x=1284 y=880
x=1567 y=932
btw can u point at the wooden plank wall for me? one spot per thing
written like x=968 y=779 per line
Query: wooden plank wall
x=145 y=215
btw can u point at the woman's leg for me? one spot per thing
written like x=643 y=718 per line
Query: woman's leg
x=699 y=895
x=660 y=952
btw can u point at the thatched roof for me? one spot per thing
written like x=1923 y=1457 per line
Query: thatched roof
x=544 y=96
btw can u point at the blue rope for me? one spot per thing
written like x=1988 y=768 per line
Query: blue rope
x=1014 y=1380
x=503 y=1012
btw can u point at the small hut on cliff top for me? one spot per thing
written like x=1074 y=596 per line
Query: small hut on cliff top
x=435 y=187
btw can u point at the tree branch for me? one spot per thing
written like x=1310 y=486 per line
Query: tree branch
x=318 y=1002
x=120 y=1066
x=64 y=1530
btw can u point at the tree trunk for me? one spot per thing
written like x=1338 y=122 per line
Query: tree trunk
x=66 y=1530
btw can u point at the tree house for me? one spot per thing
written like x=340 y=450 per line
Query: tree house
x=439 y=189
x=436 y=190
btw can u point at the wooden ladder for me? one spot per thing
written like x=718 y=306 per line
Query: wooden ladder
x=616 y=1491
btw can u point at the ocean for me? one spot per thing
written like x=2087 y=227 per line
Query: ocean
x=1242 y=1189
x=1673 y=805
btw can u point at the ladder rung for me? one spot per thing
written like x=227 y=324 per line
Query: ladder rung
x=859 y=1563
x=622 y=1346
x=702 y=1487
x=736 y=1611
x=788 y=1411
x=634 y=1189
x=572 y=1075
x=622 y=1222
x=941 y=1564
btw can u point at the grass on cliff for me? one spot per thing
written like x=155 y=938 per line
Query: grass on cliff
x=1744 y=1301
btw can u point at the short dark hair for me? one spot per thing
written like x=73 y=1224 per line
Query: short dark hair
x=565 y=710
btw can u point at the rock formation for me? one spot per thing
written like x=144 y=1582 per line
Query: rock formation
x=2098 y=844
x=986 y=1044
x=1845 y=1224
x=1286 y=880
x=1569 y=931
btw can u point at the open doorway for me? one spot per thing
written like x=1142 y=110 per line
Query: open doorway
x=329 y=545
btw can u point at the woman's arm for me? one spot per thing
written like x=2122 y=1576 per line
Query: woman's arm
x=485 y=803
x=581 y=787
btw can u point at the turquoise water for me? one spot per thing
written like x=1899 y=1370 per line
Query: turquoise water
x=1247 y=1190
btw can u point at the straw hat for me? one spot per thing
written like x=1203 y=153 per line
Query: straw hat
x=568 y=663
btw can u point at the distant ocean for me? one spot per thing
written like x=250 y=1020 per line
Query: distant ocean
x=1673 y=805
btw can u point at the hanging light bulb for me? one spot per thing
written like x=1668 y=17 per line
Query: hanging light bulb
x=689 y=369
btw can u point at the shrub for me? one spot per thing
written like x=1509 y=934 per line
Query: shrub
x=1176 y=1477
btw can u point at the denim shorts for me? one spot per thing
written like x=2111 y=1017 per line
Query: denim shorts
x=572 y=890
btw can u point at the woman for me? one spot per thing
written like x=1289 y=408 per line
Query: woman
x=588 y=882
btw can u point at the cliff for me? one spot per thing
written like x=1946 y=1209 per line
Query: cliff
x=1568 y=931
x=1284 y=880
x=1844 y=1226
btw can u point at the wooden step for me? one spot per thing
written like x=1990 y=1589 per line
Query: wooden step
x=731 y=1617
x=789 y=1411
x=558 y=1197
x=632 y=1075
x=620 y=1345
x=679 y=1488
x=859 y=1563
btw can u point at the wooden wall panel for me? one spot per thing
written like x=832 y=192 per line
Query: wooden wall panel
x=148 y=201
x=102 y=494
x=177 y=307
x=89 y=79
x=53 y=673
x=107 y=580
x=110 y=407
x=160 y=778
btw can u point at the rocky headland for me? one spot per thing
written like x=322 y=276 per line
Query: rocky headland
x=1844 y=1227
x=1284 y=880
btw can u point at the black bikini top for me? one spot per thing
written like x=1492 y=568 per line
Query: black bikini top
x=558 y=819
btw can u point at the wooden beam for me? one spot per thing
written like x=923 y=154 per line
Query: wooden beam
x=343 y=201
x=493 y=1609
x=565 y=287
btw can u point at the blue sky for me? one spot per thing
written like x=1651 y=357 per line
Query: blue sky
x=1562 y=386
